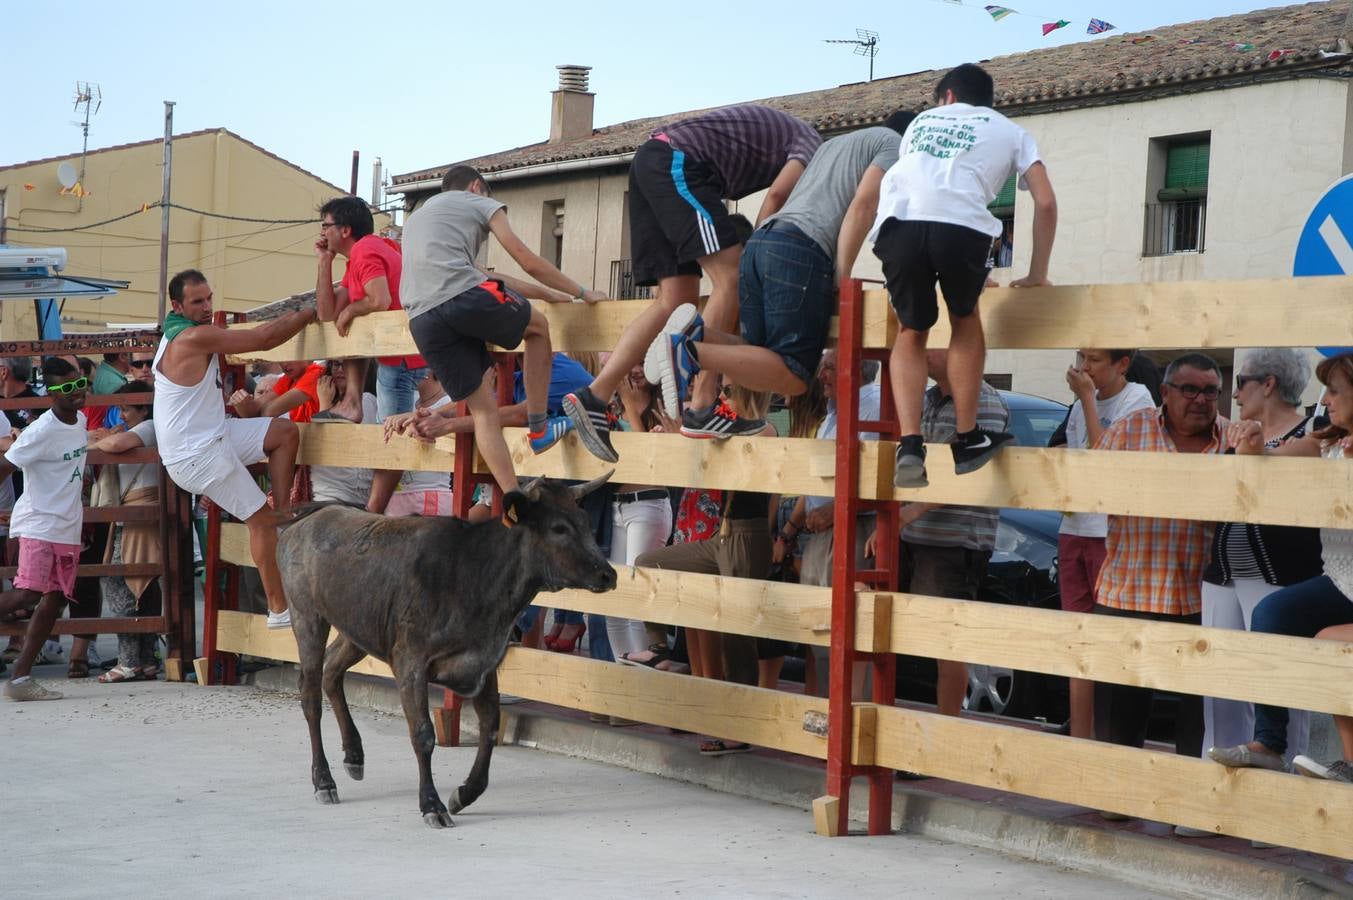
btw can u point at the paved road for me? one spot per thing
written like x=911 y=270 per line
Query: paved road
x=158 y=789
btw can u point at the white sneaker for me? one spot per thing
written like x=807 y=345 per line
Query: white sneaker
x=50 y=653
x=29 y=689
x=280 y=620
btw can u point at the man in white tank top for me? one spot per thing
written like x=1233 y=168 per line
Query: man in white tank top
x=204 y=452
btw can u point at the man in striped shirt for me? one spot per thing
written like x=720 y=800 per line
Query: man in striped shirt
x=946 y=548
x=679 y=226
x=1154 y=567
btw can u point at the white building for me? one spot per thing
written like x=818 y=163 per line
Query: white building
x=1192 y=151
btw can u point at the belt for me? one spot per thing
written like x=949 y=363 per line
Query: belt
x=635 y=496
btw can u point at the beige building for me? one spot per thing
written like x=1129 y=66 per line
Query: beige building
x=1180 y=157
x=215 y=172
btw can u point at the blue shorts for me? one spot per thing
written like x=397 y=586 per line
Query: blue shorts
x=786 y=296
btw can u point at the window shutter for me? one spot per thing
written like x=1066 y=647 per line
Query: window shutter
x=1186 y=167
x=1004 y=204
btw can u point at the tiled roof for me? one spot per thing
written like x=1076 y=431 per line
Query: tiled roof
x=177 y=137
x=1175 y=58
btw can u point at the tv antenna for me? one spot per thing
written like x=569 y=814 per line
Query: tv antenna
x=866 y=44
x=89 y=96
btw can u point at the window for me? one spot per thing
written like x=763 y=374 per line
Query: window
x=1003 y=208
x=552 y=232
x=1176 y=216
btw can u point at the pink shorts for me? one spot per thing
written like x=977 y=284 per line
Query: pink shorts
x=46 y=567
x=1079 y=560
x=419 y=503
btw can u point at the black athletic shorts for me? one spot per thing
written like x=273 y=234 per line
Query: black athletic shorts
x=454 y=336
x=916 y=254
x=676 y=213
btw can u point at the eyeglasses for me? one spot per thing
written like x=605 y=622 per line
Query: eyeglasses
x=324 y=225
x=69 y=387
x=1191 y=391
x=1242 y=380
x=142 y=363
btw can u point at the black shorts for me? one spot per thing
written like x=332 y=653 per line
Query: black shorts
x=916 y=254
x=454 y=336
x=676 y=213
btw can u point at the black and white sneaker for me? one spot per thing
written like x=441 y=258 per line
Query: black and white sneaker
x=589 y=418
x=969 y=456
x=719 y=423
x=909 y=464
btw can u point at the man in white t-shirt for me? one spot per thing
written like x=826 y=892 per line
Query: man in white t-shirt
x=933 y=225
x=1103 y=396
x=47 y=518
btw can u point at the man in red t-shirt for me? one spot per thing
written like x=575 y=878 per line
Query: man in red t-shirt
x=296 y=393
x=370 y=284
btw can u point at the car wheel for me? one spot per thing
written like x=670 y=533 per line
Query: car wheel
x=990 y=689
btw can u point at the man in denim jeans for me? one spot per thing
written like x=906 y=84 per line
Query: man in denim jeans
x=370 y=284
x=788 y=274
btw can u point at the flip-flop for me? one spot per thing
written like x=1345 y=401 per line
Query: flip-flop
x=626 y=660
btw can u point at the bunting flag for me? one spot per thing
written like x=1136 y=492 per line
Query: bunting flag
x=998 y=12
x=1050 y=27
x=1242 y=46
x=1193 y=41
x=1098 y=26
x=1144 y=39
x=1279 y=54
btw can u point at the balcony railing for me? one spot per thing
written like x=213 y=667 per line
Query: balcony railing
x=622 y=282
x=1175 y=226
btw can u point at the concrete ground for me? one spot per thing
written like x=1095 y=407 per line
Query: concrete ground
x=156 y=789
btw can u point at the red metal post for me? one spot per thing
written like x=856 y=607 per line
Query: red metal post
x=840 y=769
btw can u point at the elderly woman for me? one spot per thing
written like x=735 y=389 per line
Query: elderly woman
x=138 y=484
x=1249 y=562
x=1314 y=607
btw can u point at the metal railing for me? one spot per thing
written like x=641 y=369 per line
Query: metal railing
x=1175 y=226
x=622 y=282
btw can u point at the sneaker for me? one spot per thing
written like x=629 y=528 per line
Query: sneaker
x=909 y=465
x=720 y=422
x=971 y=457
x=50 y=654
x=1339 y=770
x=280 y=620
x=669 y=363
x=553 y=432
x=1242 y=757
x=588 y=415
x=31 y=689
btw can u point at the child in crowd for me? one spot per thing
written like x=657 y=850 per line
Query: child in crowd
x=1103 y=396
x=933 y=225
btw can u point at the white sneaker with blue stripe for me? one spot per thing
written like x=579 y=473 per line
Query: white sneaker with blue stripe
x=553 y=432
x=668 y=363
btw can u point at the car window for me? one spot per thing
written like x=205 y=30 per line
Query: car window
x=1033 y=427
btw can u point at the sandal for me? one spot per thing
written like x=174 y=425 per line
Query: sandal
x=119 y=674
x=78 y=668
x=657 y=653
x=149 y=673
x=717 y=747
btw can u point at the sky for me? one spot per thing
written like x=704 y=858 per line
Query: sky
x=421 y=84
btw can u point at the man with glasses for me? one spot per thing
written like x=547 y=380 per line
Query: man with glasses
x=141 y=370
x=47 y=518
x=1153 y=568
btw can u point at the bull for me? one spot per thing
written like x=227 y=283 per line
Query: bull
x=435 y=599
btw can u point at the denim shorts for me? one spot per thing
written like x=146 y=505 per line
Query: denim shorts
x=397 y=388
x=786 y=296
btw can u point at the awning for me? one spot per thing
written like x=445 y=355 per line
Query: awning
x=51 y=287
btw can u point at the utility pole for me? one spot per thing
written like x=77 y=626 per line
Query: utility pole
x=164 y=210
x=356 y=156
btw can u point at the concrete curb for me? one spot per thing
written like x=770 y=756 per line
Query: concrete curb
x=1162 y=865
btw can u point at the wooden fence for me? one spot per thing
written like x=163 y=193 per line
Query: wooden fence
x=871 y=738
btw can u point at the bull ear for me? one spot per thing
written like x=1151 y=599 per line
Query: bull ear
x=580 y=491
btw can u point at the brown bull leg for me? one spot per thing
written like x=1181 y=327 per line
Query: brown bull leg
x=487 y=710
x=413 y=696
x=342 y=655
x=311 y=635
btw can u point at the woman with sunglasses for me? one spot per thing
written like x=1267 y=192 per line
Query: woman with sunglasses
x=47 y=518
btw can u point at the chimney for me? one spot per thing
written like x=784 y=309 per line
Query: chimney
x=571 y=105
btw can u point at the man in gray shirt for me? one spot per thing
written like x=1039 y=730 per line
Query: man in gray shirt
x=456 y=311
x=787 y=277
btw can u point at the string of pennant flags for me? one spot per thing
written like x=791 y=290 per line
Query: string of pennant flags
x=1101 y=26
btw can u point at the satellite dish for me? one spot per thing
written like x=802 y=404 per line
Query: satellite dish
x=67 y=174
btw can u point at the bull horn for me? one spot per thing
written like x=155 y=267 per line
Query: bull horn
x=530 y=487
x=580 y=491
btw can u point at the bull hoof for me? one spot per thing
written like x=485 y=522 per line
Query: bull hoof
x=454 y=804
x=355 y=772
x=436 y=819
x=327 y=796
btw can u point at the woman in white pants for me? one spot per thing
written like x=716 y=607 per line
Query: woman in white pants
x=1249 y=562
x=641 y=515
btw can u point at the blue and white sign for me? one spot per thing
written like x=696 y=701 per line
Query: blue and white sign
x=1326 y=243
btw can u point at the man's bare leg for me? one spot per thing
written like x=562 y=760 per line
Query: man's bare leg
x=40 y=625
x=721 y=314
x=280 y=444
x=755 y=368
x=967 y=356
x=951 y=687
x=383 y=485
x=263 y=548
x=488 y=435
x=629 y=350
x=907 y=370
x=536 y=364
x=16 y=601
